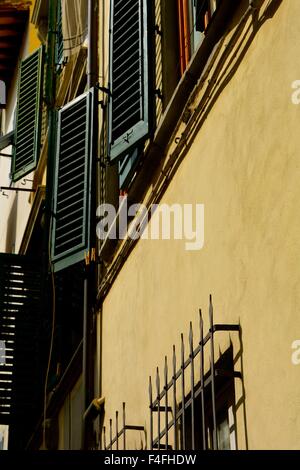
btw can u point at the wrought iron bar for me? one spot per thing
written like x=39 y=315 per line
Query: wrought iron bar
x=158 y=416
x=182 y=392
x=104 y=437
x=117 y=429
x=124 y=427
x=202 y=381
x=151 y=413
x=212 y=369
x=110 y=433
x=216 y=328
x=174 y=399
x=192 y=385
x=166 y=401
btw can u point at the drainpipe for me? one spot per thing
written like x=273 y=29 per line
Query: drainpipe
x=50 y=101
x=89 y=279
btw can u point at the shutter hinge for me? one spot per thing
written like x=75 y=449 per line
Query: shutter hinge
x=128 y=136
x=159 y=94
x=104 y=89
x=5 y=155
x=90 y=256
x=101 y=162
x=158 y=30
x=102 y=104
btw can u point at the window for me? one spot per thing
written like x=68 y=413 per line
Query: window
x=193 y=18
x=224 y=404
x=151 y=45
x=3 y=437
x=204 y=418
x=70 y=419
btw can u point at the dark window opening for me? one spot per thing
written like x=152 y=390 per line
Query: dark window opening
x=224 y=402
x=202 y=418
x=69 y=320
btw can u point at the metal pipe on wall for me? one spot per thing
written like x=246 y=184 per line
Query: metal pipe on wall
x=89 y=279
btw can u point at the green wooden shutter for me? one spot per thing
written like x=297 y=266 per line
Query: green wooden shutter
x=129 y=113
x=28 y=116
x=72 y=186
x=22 y=372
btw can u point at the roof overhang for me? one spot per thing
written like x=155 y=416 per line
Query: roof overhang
x=13 y=20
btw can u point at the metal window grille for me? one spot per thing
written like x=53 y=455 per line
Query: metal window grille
x=172 y=410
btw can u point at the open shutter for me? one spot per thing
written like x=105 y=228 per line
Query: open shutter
x=72 y=186
x=22 y=369
x=129 y=114
x=28 y=116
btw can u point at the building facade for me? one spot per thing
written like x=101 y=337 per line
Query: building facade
x=150 y=242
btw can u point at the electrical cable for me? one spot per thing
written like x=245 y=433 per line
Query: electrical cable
x=52 y=337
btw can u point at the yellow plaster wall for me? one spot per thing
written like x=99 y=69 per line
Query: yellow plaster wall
x=244 y=166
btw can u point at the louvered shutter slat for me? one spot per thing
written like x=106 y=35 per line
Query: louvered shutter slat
x=28 y=130
x=129 y=81
x=70 y=234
